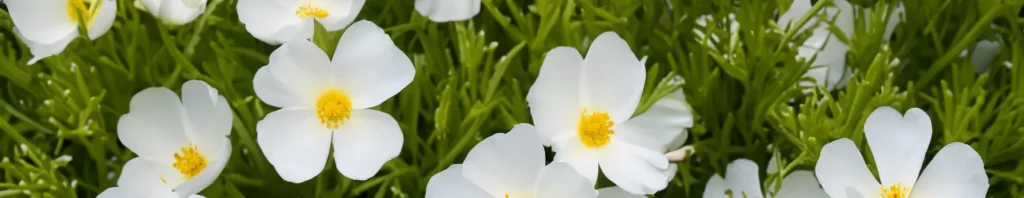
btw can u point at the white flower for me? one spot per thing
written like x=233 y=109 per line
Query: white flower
x=616 y=192
x=582 y=107
x=448 y=10
x=509 y=165
x=182 y=144
x=279 y=21
x=898 y=144
x=48 y=26
x=741 y=180
x=323 y=101
x=175 y=12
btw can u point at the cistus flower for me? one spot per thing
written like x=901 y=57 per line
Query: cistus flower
x=175 y=12
x=582 y=108
x=741 y=180
x=182 y=144
x=48 y=26
x=324 y=100
x=898 y=144
x=279 y=21
x=507 y=165
x=448 y=10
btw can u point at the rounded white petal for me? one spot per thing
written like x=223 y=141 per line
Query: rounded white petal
x=209 y=114
x=176 y=12
x=449 y=183
x=368 y=65
x=274 y=93
x=898 y=143
x=554 y=96
x=633 y=168
x=583 y=159
x=800 y=184
x=661 y=127
x=40 y=51
x=741 y=176
x=559 y=180
x=301 y=68
x=210 y=173
x=154 y=127
x=448 y=10
x=124 y=192
x=505 y=163
x=956 y=171
x=612 y=78
x=196 y=196
x=272 y=22
x=104 y=19
x=365 y=142
x=144 y=174
x=341 y=12
x=716 y=187
x=42 y=21
x=616 y=192
x=841 y=166
x=295 y=143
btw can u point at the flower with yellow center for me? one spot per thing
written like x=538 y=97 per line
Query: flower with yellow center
x=898 y=144
x=182 y=144
x=583 y=108
x=279 y=21
x=325 y=102
x=174 y=12
x=48 y=26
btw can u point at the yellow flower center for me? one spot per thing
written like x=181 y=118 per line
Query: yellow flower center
x=189 y=161
x=333 y=108
x=311 y=9
x=896 y=191
x=595 y=129
x=506 y=195
x=78 y=8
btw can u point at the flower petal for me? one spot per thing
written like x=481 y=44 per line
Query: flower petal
x=841 y=166
x=445 y=11
x=146 y=175
x=365 y=142
x=898 y=143
x=178 y=12
x=210 y=173
x=369 y=66
x=42 y=21
x=449 y=183
x=504 y=163
x=741 y=176
x=302 y=68
x=274 y=93
x=122 y=192
x=612 y=78
x=956 y=171
x=273 y=23
x=558 y=180
x=208 y=112
x=153 y=127
x=833 y=57
x=716 y=187
x=104 y=19
x=633 y=168
x=341 y=12
x=554 y=97
x=294 y=142
x=584 y=160
x=662 y=124
x=616 y=192
x=40 y=51
x=801 y=184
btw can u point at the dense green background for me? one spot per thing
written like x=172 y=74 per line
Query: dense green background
x=472 y=78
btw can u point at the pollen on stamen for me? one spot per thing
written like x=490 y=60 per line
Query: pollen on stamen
x=309 y=9
x=333 y=108
x=189 y=161
x=895 y=191
x=77 y=8
x=595 y=129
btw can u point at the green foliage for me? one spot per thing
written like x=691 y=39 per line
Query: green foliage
x=59 y=117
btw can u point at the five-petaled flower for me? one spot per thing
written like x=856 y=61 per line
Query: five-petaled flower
x=48 y=26
x=279 y=21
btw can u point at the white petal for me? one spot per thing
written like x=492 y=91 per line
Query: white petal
x=841 y=166
x=295 y=143
x=554 y=96
x=801 y=184
x=42 y=21
x=845 y=18
x=716 y=187
x=559 y=180
x=984 y=53
x=210 y=173
x=612 y=78
x=449 y=183
x=124 y=192
x=898 y=143
x=178 y=12
x=208 y=113
x=365 y=142
x=196 y=196
x=504 y=163
x=956 y=171
x=40 y=51
x=895 y=18
x=741 y=176
x=274 y=93
x=369 y=66
x=143 y=174
x=302 y=68
x=273 y=23
x=633 y=168
x=796 y=10
x=448 y=10
x=153 y=127
x=833 y=57
x=661 y=125
x=616 y=192
x=584 y=160
x=341 y=13
x=104 y=19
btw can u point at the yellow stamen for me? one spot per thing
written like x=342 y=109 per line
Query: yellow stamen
x=189 y=161
x=333 y=108
x=78 y=8
x=595 y=129
x=506 y=195
x=896 y=191
x=163 y=180
x=310 y=9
